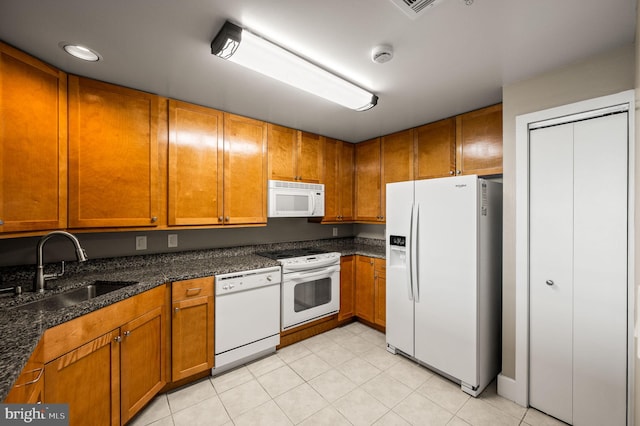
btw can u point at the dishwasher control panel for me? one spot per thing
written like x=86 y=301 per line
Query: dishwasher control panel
x=247 y=280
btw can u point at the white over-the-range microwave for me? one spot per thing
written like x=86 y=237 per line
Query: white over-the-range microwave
x=295 y=199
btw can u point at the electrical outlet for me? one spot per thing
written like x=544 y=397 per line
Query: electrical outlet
x=335 y=232
x=141 y=242
x=172 y=240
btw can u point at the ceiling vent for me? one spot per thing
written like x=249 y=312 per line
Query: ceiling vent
x=415 y=8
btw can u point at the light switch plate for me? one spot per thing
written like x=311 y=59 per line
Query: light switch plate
x=335 y=232
x=141 y=242
x=172 y=240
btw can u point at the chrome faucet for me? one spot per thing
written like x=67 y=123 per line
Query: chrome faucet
x=40 y=275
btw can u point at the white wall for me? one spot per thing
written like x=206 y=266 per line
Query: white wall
x=604 y=74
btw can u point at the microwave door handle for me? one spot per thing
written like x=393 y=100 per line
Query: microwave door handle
x=313 y=204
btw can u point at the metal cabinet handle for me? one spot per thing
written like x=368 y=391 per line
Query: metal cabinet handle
x=1 y=222
x=219 y=218
x=549 y=282
x=227 y=218
x=36 y=380
x=458 y=172
x=117 y=339
x=451 y=172
x=154 y=219
x=126 y=333
x=176 y=310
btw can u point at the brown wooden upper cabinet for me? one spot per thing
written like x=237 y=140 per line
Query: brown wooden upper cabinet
x=33 y=144
x=338 y=181
x=467 y=144
x=380 y=161
x=245 y=170
x=113 y=156
x=435 y=147
x=294 y=155
x=479 y=141
x=195 y=165
x=368 y=181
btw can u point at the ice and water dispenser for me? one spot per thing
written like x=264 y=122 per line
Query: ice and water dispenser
x=397 y=250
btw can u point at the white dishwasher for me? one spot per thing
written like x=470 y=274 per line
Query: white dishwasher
x=247 y=316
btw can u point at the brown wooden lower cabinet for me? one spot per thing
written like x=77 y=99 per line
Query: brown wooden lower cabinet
x=142 y=372
x=107 y=365
x=88 y=379
x=347 y=287
x=191 y=327
x=380 y=292
x=364 y=288
x=371 y=290
x=29 y=388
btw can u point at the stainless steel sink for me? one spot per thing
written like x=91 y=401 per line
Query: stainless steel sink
x=75 y=296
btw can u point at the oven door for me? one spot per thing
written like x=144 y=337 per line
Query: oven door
x=310 y=295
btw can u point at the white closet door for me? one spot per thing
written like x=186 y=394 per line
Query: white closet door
x=600 y=271
x=578 y=270
x=551 y=280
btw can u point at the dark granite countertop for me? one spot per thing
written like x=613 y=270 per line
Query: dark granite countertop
x=22 y=329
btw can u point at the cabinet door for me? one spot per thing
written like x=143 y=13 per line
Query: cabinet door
x=245 y=170
x=310 y=158
x=347 y=287
x=368 y=172
x=331 y=181
x=346 y=178
x=33 y=144
x=380 y=293
x=29 y=387
x=435 y=149
x=192 y=327
x=364 y=288
x=195 y=165
x=397 y=162
x=113 y=156
x=479 y=141
x=283 y=152
x=87 y=379
x=142 y=361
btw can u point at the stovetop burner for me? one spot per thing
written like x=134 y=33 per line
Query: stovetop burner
x=291 y=253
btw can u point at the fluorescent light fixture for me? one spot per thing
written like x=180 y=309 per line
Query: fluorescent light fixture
x=80 y=52
x=249 y=50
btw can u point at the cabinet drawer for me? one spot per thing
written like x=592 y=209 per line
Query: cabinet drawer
x=187 y=289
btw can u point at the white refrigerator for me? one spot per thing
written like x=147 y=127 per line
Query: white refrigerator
x=443 y=251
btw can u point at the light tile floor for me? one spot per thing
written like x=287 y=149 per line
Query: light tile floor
x=342 y=377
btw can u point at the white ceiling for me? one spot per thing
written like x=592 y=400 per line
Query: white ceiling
x=452 y=59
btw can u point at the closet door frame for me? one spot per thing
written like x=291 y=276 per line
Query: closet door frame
x=517 y=388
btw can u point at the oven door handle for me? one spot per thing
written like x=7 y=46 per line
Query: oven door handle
x=302 y=276
x=315 y=265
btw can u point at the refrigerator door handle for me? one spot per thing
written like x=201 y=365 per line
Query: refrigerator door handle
x=415 y=222
x=409 y=259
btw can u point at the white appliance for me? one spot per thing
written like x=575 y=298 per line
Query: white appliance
x=444 y=276
x=295 y=199
x=310 y=284
x=247 y=316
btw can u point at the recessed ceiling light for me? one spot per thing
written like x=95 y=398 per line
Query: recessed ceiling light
x=80 y=52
